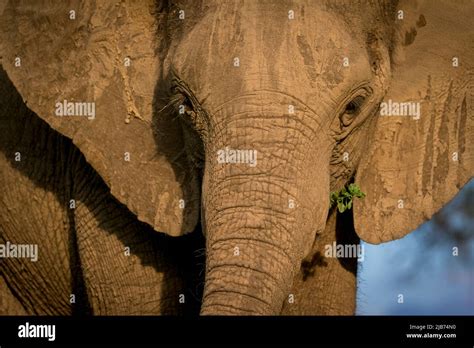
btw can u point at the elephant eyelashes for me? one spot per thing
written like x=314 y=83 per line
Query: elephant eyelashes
x=186 y=110
x=191 y=116
x=352 y=110
x=354 y=105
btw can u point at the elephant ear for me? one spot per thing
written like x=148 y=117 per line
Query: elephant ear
x=415 y=166
x=102 y=53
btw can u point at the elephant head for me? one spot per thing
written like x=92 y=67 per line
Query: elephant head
x=249 y=113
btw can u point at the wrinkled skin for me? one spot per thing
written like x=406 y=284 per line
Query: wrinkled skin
x=82 y=251
x=289 y=94
x=293 y=150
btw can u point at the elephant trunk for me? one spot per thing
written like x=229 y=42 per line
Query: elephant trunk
x=260 y=218
x=246 y=276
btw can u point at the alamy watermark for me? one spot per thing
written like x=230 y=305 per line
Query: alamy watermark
x=84 y=109
x=344 y=251
x=392 y=108
x=28 y=330
x=229 y=155
x=27 y=251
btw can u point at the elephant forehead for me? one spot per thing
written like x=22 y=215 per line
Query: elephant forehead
x=292 y=48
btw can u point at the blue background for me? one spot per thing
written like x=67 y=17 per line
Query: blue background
x=422 y=268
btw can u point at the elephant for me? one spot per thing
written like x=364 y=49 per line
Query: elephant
x=178 y=157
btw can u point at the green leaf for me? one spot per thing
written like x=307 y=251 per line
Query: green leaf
x=346 y=194
x=354 y=189
x=343 y=199
x=341 y=207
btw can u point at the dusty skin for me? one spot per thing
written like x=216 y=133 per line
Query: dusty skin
x=131 y=206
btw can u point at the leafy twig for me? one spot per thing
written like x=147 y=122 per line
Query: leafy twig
x=343 y=198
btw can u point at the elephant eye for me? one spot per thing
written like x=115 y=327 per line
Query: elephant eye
x=354 y=105
x=190 y=116
x=352 y=110
x=185 y=109
x=189 y=108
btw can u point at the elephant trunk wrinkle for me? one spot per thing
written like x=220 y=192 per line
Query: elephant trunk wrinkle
x=260 y=218
x=249 y=273
x=247 y=290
